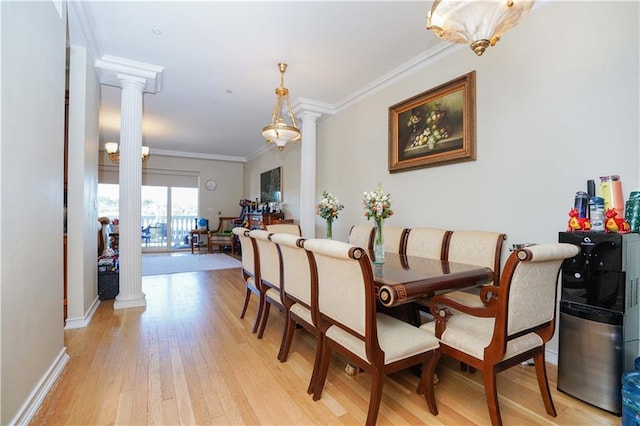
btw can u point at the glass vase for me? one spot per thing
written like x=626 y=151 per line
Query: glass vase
x=378 y=242
x=329 y=228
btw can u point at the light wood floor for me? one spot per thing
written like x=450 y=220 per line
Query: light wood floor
x=188 y=359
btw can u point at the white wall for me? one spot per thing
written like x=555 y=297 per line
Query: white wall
x=557 y=104
x=82 y=224
x=289 y=160
x=31 y=184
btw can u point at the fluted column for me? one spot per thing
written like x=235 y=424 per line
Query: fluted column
x=135 y=79
x=308 y=178
x=130 y=179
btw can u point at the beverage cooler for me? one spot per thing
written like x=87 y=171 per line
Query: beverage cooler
x=599 y=316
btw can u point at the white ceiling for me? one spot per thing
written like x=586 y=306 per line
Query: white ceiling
x=220 y=62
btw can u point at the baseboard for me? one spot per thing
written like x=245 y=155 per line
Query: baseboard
x=71 y=323
x=551 y=357
x=39 y=393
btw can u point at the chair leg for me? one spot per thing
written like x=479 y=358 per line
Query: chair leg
x=427 y=381
x=377 y=381
x=325 y=359
x=247 y=296
x=287 y=337
x=265 y=317
x=541 y=373
x=256 y=323
x=491 y=392
x=316 y=364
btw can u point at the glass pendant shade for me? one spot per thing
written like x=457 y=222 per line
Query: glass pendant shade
x=479 y=23
x=114 y=155
x=278 y=131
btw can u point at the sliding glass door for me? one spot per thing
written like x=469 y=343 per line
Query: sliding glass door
x=167 y=214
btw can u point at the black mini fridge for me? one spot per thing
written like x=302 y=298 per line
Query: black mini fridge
x=598 y=324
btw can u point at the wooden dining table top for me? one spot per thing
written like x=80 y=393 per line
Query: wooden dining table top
x=401 y=279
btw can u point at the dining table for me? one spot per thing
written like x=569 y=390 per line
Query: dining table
x=401 y=279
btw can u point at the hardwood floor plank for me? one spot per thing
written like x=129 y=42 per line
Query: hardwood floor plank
x=187 y=358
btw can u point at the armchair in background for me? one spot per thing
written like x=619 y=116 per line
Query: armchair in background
x=223 y=235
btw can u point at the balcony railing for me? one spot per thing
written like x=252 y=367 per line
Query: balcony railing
x=155 y=231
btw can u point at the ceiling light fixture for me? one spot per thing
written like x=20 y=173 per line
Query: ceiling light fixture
x=114 y=154
x=278 y=132
x=479 y=23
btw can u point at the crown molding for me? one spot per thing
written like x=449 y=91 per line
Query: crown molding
x=201 y=156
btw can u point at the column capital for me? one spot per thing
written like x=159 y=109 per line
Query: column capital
x=308 y=115
x=113 y=71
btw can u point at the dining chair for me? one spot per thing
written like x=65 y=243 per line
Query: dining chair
x=361 y=236
x=295 y=291
x=482 y=248
x=285 y=228
x=512 y=326
x=350 y=325
x=427 y=242
x=250 y=273
x=394 y=238
x=269 y=283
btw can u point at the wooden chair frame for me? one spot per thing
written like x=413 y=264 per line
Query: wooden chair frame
x=376 y=357
x=496 y=301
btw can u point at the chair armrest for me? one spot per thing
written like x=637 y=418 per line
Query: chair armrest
x=438 y=306
x=489 y=294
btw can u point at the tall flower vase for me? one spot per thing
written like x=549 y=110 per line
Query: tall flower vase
x=329 y=228
x=378 y=242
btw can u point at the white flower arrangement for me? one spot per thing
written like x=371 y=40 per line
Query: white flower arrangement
x=329 y=206
x=377 y=205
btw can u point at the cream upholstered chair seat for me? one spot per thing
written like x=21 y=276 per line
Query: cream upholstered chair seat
x=472 y=335
x=285 y=228
x=361 y=236
x=397 y=339
x=514 y=324
x=350 y=325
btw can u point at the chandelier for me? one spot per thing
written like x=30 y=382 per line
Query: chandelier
x=479 y=23
x=114 y=154
x=278 y=131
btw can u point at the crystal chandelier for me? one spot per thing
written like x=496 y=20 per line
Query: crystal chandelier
x=479 y=23
x=278 y=131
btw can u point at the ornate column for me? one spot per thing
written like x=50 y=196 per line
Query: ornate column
x=308 y=178
x=130 y=180
x=134 y=78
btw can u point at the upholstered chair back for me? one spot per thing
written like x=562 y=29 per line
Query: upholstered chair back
x=285 y=228
x=482 y=248
x=361 y=236
x=427 y=242
x=344 y=295
x=394 y=238
x=296 y=274
x=532 y=291
x=248 y=259
x=267 y=258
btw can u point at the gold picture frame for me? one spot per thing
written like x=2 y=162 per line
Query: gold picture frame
x=434 y=128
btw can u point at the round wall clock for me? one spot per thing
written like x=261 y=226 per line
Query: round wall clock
x=211 y=185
